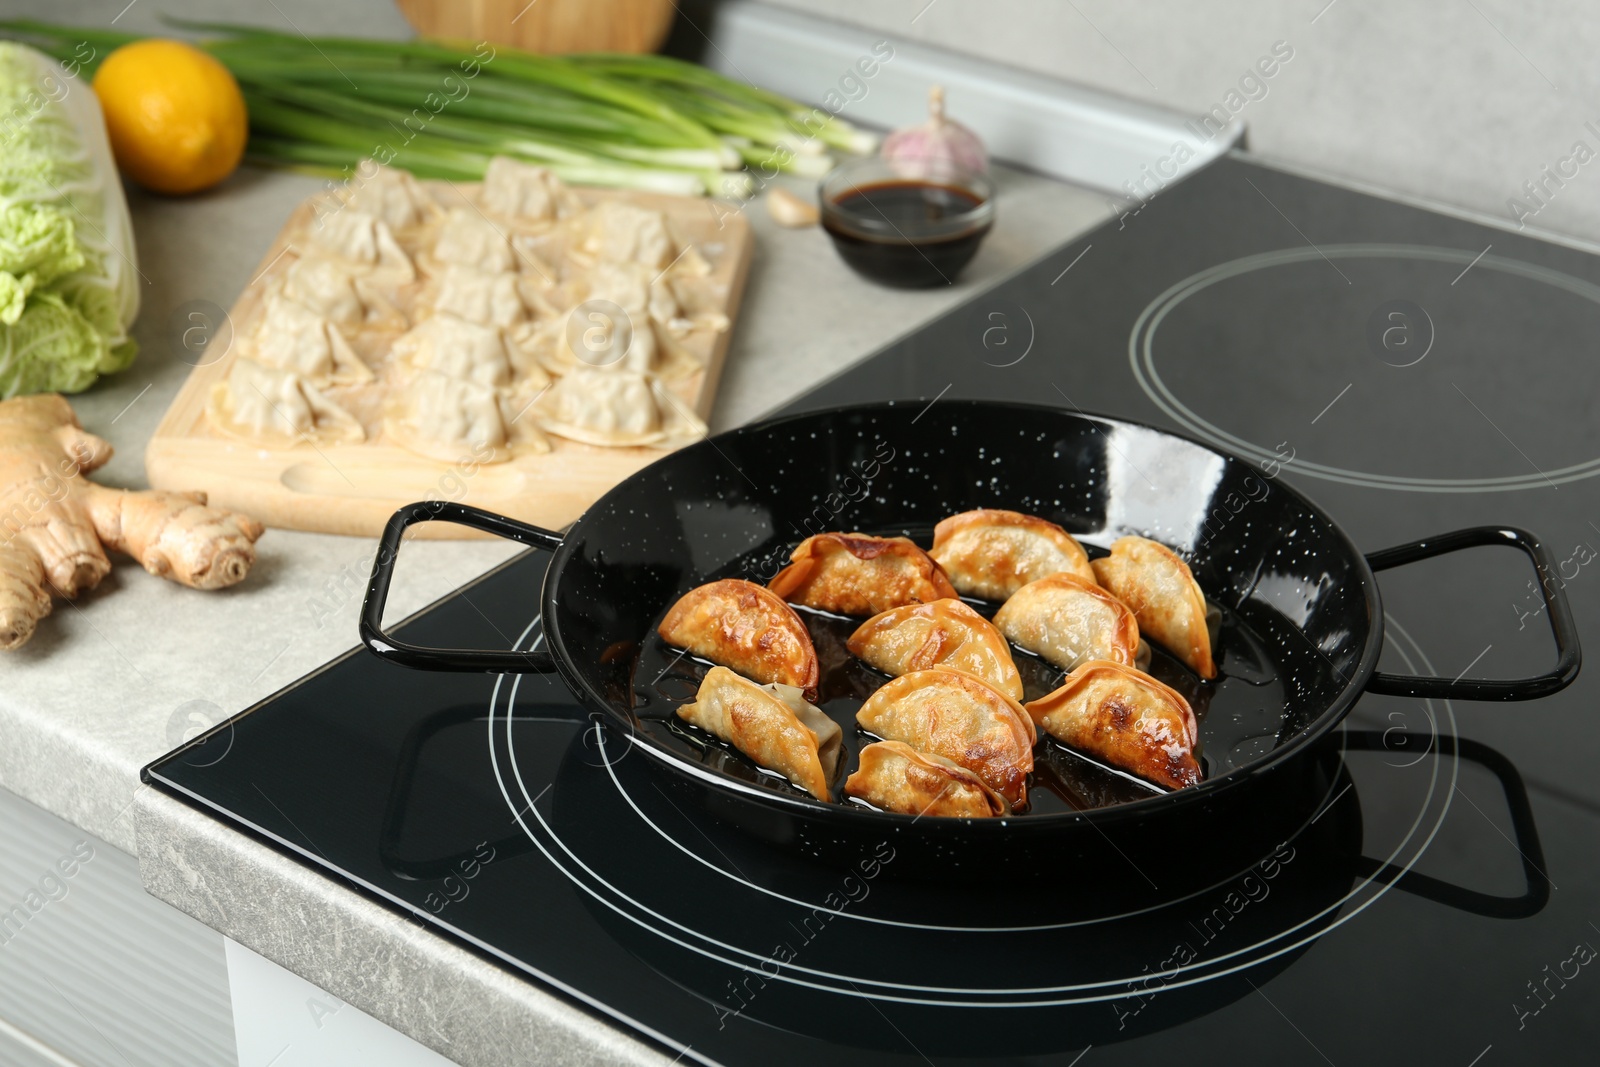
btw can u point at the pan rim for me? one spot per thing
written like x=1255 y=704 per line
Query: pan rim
x=865 y=818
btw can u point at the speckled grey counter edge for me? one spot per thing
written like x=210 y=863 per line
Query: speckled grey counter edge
x=429 y=989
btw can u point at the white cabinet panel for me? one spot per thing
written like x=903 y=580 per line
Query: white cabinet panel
x=281 y=1019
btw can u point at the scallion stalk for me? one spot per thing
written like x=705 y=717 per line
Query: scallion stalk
x=443 y=109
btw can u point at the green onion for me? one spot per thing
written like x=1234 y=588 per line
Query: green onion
x=323 y=104
x=800 y=120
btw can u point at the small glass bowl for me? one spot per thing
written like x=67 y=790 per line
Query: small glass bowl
x=906 y=225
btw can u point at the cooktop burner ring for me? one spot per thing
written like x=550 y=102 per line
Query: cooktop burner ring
x=1141 y=356
x=739 y=958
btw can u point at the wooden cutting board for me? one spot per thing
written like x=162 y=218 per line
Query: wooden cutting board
x=353 y=489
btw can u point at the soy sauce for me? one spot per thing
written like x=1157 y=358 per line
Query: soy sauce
x=906 y=232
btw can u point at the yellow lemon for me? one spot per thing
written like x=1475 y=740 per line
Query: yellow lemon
x=175 y=116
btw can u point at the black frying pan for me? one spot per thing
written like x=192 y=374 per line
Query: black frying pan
x=1301 y=632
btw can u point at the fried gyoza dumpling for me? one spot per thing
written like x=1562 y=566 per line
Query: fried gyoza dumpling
x=854 y=574
x=992 y=553
x=962 y=718
x=945 y=633
x=742 y=625
x=1126 y=718
x=772 y=724
x=896 y=777
x=1152 y=580
x=1069 y=621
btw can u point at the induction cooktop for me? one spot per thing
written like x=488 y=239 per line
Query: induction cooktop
x=1412 y=372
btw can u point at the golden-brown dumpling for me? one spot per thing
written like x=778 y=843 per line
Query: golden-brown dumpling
x=992 y=553
x=962 y=718
x=1126 y=718
x=945 y=633
x=772 y=724
x=896 y=777
x=1069 y=621
x=855 y=574
x=1152 y=580
x=744 y=626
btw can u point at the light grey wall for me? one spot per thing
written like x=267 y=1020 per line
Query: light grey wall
x=1455 y=100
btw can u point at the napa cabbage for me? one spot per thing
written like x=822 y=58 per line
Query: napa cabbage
x=68 y=280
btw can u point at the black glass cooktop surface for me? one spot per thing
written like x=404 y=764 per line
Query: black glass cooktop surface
x=1436 y=896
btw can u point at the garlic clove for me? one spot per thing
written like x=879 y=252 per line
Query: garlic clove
x=939 y=142
x=789 y=210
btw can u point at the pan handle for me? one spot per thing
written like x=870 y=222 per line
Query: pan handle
x=534 y=661
x=1556 y=609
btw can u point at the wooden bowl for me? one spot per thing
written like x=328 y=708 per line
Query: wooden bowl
x=550 y=26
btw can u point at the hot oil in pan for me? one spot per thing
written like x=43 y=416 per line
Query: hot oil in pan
x=1240 y=714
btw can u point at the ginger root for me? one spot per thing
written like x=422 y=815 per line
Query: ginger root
x=55 y=524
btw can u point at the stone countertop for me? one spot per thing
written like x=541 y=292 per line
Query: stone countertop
x=125 y=673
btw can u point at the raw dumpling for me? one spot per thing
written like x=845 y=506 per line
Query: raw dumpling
x=459 y=349
x=325 y=287
x=650 y=332
x=451 y=419
x=362 y=238
x=1152 y=580
x=292 y=337
x=961 y=718
x=856 y=574
x=772 y=724
x=350 y=301
x=991 y=553
x=1126 y=718
x=632 y=287
x=606 y=407
x=896 y=777
x=270 y=404
x=392 y=195
x=944 y=633
x=598 y=337
x=624 y=233
x=523 y=190
x=744 y=626
x=469 y=239
x=479 y=296
x=1069 y=621
x=595 y=337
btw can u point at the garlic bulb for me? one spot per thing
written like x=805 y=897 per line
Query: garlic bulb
x=938 y=142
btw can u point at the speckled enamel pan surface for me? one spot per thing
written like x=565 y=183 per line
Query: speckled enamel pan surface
x=1300 y=629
